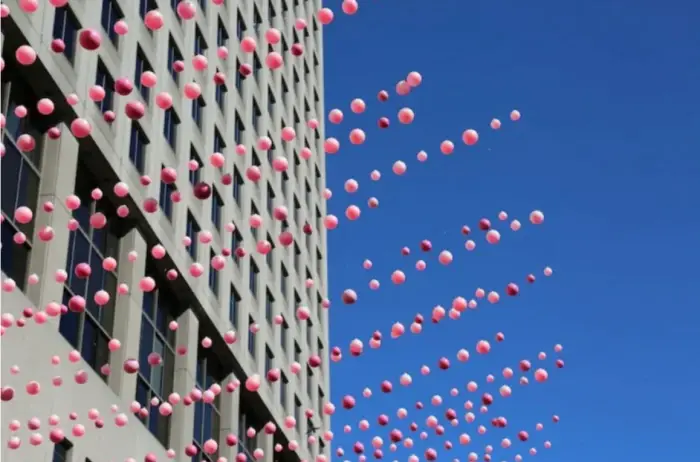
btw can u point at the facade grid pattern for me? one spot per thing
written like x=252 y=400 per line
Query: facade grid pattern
x=249 y=289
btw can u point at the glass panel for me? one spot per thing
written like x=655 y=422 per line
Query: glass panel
x=69 y=327
x=157 y=372
x=198 y=420
x=11 y=165
x=89 y=341
x=148 y=303
x=147 y=345
x=81 y=252
x=144 y=348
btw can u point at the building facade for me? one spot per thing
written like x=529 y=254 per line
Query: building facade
x=250 y=290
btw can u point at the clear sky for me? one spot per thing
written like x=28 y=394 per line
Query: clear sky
x=607 y=148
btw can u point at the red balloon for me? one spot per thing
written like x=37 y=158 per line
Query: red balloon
x=202 y=191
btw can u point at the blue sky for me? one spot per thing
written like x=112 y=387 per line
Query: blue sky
x=607 y=148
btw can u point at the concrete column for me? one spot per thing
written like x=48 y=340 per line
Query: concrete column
x=127 y=313
x=60 y=159
x=268 y=446
x=182 y=421
x=230 y=409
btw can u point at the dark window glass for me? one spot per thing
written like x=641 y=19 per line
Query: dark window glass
x=142 y=65
x=158 y=340
x=106 y=81
x=137 y=147
x=66 y=27
x=111 y=13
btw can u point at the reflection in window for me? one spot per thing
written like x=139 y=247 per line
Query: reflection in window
x=157 y=340
x=90 y=330
x=20 y=171
x=66 y=27
x=192 y=231
x=207 y=416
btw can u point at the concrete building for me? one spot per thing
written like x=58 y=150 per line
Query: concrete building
x=249 y=290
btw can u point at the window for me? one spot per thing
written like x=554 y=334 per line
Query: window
x=246 y=444
x=196 y=173
x=319 y=347
x=207 y=416
x=239 y=77
x=269 y=306
x=200 y=45
x=285 y=88
x=237 y=185
x=145 y=6
x=284 y=6
x=156 y=338
x=240 y=27
x=318 y=226
x=203 y=5
x=233 y=307
x=256 y=116
x=297 y=410
x=220 y=93
x=198 y=111
x=268 y=256
x=256 y=69
x=254 y=211
x=238 y=130
x=166 y=198
x=66 y=27
x=20 y=172
x=216 y=208
x=111 y=13
x=319 y=308
x=137 y=147
x=283 y=335
x=297 y=351
x=193 y=230
x=308 y=193
x=89 y=331
x=285 y=185
x=269 y=357
x=173 y=5
x=251 y=336
x=297 y=254
x=105 y=80
x=309 y=379
x=221 y=34
x=283 y=280
x=142 y=65
x=170 y=127
x=213 y=275
x=309 y=332
x=257 y=19
x=319 y=186
x=253 y=282
x=219 y=144
x=297 y=90
x=271 y=151
x=297 y=163
x=283 y=391
x=270 y=103
x=236 y=240
x=297 y=298
x=321 y=397
x=255 y=160
x=270 y=198
x=174 y=55
x=62 y=451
